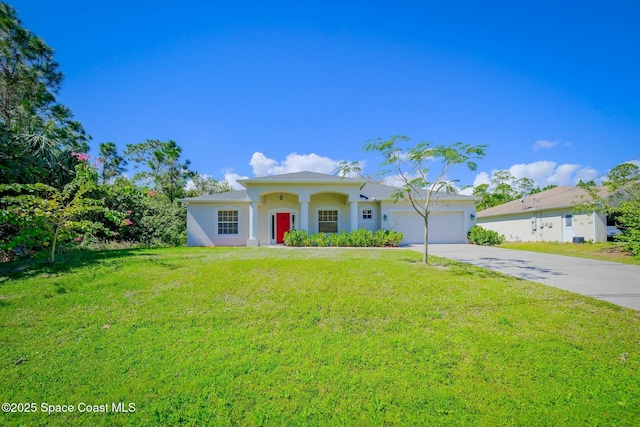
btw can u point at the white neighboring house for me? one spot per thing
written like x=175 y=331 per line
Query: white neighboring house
x=546 y=217
x=271 y=205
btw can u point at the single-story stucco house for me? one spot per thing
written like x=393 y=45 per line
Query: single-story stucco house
x=269 y=206
x=547 y=216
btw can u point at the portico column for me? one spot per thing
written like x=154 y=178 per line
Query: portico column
x=253 y=225
x=354 y=216
x=304 y=216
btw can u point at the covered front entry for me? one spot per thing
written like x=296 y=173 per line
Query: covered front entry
x=283 y=224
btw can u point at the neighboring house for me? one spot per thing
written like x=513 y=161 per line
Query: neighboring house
x=271 y=205
x=546 y=217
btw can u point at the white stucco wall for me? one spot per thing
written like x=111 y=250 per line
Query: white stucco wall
x=372 y=224
x=202 y=224
x=546 y=226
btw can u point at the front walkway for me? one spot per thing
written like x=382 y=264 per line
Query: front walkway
x=608 y=281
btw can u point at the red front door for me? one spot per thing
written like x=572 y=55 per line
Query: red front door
x=283 y=224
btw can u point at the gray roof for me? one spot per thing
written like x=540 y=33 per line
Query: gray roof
x=384 y=192
x=558 y=197
x=229 y=196
x=369 y=191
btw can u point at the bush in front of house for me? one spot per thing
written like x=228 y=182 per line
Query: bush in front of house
x=481 y=236
x=357 y=238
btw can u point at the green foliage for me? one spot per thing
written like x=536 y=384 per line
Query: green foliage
x=629 y=219
x=162 y=166
x=46 y=216
x=620 y=201
x=112 y=165
x=296 y=238
x=152 y=218
x=482 y=236
x=357 y=238
x=37 y=134
x=411 y=166
x=201 y=185
x=503 y=188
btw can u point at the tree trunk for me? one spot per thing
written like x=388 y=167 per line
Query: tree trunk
x=52 y=255
x=425 y=255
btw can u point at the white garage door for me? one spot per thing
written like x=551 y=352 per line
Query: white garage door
x=443 y=227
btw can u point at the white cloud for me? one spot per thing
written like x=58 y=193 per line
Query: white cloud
x=262 y=165
x=543 y=143
x=545 y=173
x=481 y=178
x=294 y=162
x=539 y=172
x=232 y=179
x=562 y=174
x=586 y=174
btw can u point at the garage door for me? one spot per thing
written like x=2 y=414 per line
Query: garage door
x=443 y=227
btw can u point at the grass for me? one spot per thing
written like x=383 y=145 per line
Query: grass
x=263 y=336
x=600 y=251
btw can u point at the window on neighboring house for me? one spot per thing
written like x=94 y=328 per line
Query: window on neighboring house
x=367 y=214
x=327 y=221
x=227 y=222
x=568 y=220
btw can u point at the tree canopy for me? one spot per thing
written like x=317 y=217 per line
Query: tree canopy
x=505 y=187
x=412 y=167
x=37 y=133
x=161 y=166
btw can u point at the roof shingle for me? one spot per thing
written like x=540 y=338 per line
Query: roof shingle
x=558 y=197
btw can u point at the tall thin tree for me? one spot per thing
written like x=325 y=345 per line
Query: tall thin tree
x=112 y=164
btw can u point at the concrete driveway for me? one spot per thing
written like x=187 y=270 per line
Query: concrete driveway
x=609 y=281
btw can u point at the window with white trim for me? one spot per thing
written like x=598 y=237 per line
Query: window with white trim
x=227 y=222
x=367 y=214
x=327 y=221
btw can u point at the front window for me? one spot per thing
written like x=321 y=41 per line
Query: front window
x=227 y=222
x=327 y=221
x=367 y=214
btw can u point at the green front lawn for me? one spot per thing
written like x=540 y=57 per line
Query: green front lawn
x=600 y=251
x=265 y=336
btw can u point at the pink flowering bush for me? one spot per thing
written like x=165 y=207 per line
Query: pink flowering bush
x=81 y=156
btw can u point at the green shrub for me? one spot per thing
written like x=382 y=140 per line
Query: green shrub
x=295 y=238
x=482 y=236
x=629 y=218
x=358 y=238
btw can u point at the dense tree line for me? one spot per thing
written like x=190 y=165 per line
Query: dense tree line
x=52 y=193
x=503 y=188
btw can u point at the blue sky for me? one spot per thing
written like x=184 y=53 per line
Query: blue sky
x=253 y=88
